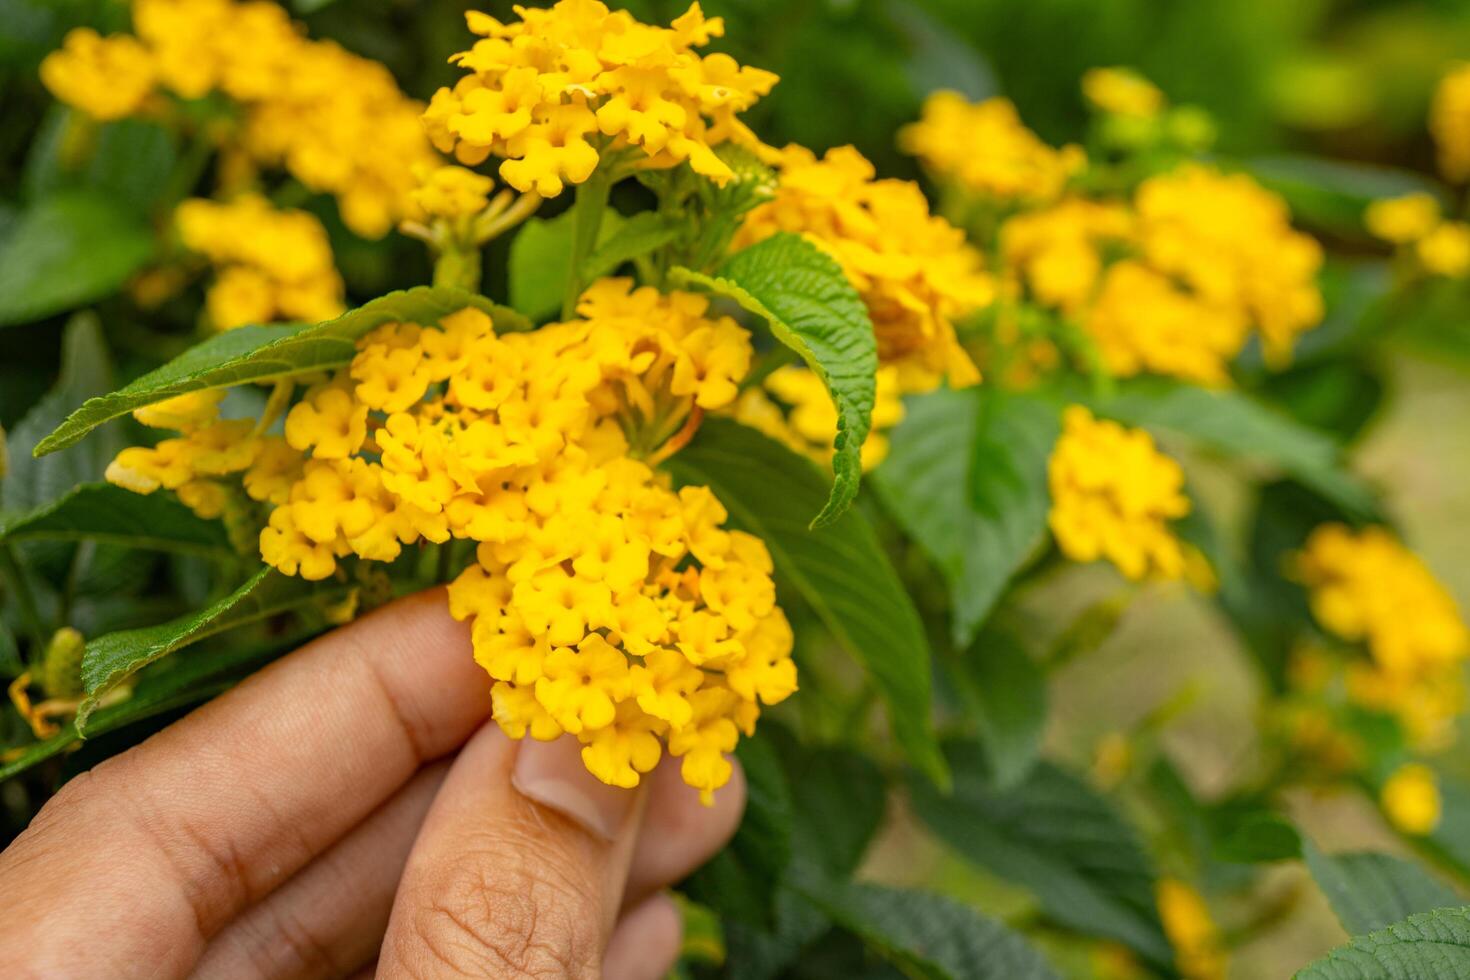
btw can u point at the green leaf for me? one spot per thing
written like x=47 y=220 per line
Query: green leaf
x=633 y=238
x=929 y=936
x=839 y=798
x=67 y=250
x=113 y=658
x=1332 y=194
x=978 y=515
x=1255 y=836
x=130 y=161
x=257 y=354
x=740 y=881
x=1432 y=945
x=194 y=679
x=840 y=570
x=1007 y=690
x=540 y=256
x=1231 y=422
x=1054 y=836
x=812 y=309
x=107 y=514
x=1372 y=891
x=86 y=372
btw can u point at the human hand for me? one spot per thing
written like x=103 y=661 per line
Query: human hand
x=310 y=821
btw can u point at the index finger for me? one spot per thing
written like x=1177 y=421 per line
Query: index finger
x=173 y=838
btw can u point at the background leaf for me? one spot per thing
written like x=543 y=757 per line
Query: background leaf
x=1056 y=837
x=540 y=260
x=929 y=935
x=65 y=251
x=1427 y=946
x=812 y=309
x=104 y=513
x=1006 y=691
x=264 y=353
x=1372 y=891
x=978 y=514
x=1232 y=423
x=111 y=659
x=839 y=570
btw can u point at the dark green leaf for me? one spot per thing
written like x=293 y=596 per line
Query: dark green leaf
x=264 y=353
x=131 y=161
x=1007 y=690
x=111 y=515
x=927 y=935
x=1255 y=836
x=1372 y=891
x=840 y=570
x=839 y=798
x=812 y=309
x=633 y=238
x=86 y=372
x=1431 y=945
x=740 y=882
x=978 y=516
x=67 y=250
x=540 y=256
x=1056 y=837
x=1231 y=422
x=111 y=659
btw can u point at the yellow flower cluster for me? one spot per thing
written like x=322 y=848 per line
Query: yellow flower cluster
x=1449 y=123
x=550 y=93
x=986 y=149
x=1198 y=261
x=270 y=264
x=914 y=270
x=1414 y=222
x=1410 y=799
x=452 y=192
x=1366 y=587
x=603 y=603
x=336 y=121
x=1122 y=92
x=794 y=407
x=106 y=77
x=1199 y=947
x=1112 y=496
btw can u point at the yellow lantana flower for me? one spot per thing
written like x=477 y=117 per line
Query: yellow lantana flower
x=1113 y=495
x=1411 y=800
x=1122 y=92
x=105 y=77
x=1402 y=220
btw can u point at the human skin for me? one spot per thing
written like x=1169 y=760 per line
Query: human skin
x=351 y=809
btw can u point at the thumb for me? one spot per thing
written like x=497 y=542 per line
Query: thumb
x=519 y=869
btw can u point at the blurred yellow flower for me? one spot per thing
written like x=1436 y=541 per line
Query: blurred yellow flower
x=1402 y=220
x=1410 y=799
x=1449 y=122
x=1199 y=949
x=1122 y=92
x=105 y=77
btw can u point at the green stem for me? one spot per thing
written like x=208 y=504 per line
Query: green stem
x=592 y=197
x=458 y=267
x=15 y=579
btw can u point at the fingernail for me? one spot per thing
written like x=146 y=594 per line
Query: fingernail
x=552 y=774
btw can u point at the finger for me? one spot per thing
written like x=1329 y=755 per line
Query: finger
x=645 y=945
x=519 y=869
x=330 y=918
x=210 y=814
x=679 y=832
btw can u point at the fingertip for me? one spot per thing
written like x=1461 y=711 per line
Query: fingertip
x=645 y=945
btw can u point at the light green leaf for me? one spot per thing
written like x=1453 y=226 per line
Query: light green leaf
x=634 y=238
x=929 y=936
x=67 y=250
x=811 y=308
x=1372 y=891
x=977 y=515
x=540 y=257
x=1056 y=837
x=1232 y=423
x=1431 y=945
x=256 y=354
x=111 y=659
x=107 y=514
x=841 y=570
